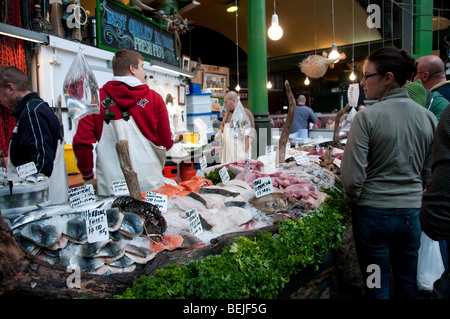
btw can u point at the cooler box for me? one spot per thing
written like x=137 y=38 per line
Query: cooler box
x=198 y=103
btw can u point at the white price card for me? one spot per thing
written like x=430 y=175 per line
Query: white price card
x=2 y=172
x=288 y=146
x=262 y=186
x=195 y=225
x=269 y=149
x=26 y=169
x=120 y=188
x=246 y=169
x=301 y=158
x=224 y=175
x=353 y=94
x=159 y=200
x=203 y=163
x=81 y=195
x=96 y=225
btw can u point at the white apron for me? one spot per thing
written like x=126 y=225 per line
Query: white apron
x=233 y=148
x=147 y=158
x=59 y=184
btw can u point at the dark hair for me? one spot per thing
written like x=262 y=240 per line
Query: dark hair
x=11 y=74
x=397 y=61
x=123 y=59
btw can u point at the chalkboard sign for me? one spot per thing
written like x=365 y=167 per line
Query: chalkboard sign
x=118 y=27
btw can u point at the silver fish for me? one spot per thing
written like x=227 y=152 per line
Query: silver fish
x=91 y=249
x=86 y=264
x=140 y=255
x=43 y=236
x=132 y=225
x=76 y=230
x=122 y=262
x=111 y=252
x=115 y=218
x=45 y=212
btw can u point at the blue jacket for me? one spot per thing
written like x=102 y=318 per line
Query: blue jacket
x=35 y=137
x=303 y=115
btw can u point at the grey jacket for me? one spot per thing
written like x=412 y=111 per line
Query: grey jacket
x=387 y=159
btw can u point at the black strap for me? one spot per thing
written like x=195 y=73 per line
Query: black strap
x=110 y=115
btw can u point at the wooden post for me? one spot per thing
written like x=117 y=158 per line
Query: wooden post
x=287 y=126
x=127 y=169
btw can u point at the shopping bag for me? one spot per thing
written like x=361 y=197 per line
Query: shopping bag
x=429 y=265
x=80 y=89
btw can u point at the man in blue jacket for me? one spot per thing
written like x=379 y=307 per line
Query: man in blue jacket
x=303 y=115
x=35 y=137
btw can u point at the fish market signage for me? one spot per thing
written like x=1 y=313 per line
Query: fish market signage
x=120 y=28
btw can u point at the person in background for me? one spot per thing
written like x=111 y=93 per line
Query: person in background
x=234 y=149
x=433 y=101
x=384 y=170
x=129 y=110
x=303 y=115
x=431 y=70
x=435 y=212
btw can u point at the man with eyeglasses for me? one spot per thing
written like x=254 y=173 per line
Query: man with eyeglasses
x=431 y=70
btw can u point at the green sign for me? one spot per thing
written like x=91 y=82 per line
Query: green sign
x=118 y=27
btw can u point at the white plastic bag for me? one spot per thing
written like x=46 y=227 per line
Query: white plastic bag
x=240 y=123
x=81 y=89
x=429 y=265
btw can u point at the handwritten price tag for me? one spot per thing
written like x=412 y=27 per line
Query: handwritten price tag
x=262 y=186
x=96 y=225
x=195 y=225
x=81 y=195
x=246 y=169
x=301 y=158
x=26 y=169
x=158 y=200
x=203 y=163
x=224 y=175
x=120 y=188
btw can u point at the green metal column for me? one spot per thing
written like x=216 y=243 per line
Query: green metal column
x=423 y=28
x=257 y=73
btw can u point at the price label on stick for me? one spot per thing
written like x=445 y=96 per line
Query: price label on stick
x=224 y=175
x=120 y=188
x=26 y=169
x=158 y=200
x=195 y=225
x=246 y=169
x=203 y=163
x=301 y=158
x=262 y=186
x=96 y=225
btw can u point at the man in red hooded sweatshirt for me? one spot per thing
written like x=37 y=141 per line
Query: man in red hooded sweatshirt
x=129 y=110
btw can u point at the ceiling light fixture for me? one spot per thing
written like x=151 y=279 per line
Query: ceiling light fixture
x=307 y=82
x=232 y=7
x=24 y=34
x=275 y=32
x=334 y=55
x=238 y=87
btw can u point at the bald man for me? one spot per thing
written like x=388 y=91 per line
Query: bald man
x=431 y=70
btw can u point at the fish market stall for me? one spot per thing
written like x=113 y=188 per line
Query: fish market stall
x=114 y=240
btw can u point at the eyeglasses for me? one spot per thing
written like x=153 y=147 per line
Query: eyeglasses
x=366 y=76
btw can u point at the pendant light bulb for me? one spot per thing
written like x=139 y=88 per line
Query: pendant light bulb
x=307 y=81
x=269 y=85
x=334 y=53
x=275 y=31
x=238 y=88
x=353 y=76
